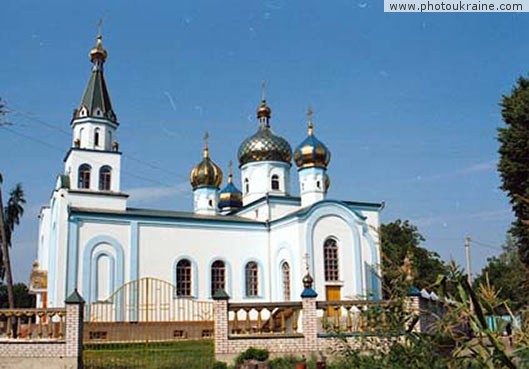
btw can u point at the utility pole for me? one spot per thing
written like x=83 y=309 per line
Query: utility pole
x=467 y=252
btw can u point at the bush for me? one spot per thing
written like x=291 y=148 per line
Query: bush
x=286 y=362
x=220 y=365
x=252 y=354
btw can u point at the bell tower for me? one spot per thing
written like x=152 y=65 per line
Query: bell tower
x=93 y=162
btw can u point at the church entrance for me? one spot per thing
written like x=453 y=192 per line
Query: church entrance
x=332 y=293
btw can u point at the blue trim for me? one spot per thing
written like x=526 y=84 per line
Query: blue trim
x=90 y=251
x=72 y=256
x=351 y=218
x=194 y=275
x=52 y=255
x=261 y=288
x=227 y=265
x=134 y=268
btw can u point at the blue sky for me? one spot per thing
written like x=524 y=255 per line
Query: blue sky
x=407 y=103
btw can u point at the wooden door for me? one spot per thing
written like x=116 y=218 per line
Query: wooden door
x=333 y=293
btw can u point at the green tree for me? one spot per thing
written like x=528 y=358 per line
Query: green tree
x=508 y=275
x=514 y=160
x=402 y=253
x=23 y=299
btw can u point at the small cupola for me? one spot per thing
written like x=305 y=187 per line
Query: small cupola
x=311 y=153
x=230 y=197
x=206 y=173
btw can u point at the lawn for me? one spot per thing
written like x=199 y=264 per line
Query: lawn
x=150 y=355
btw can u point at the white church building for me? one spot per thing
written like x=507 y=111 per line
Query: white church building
x=256 y=243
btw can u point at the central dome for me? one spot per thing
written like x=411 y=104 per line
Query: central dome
x=264 y=145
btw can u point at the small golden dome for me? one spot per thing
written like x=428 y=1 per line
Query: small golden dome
x=312 y=152
x=98 y=51
x=264 y=110
x=206 y=173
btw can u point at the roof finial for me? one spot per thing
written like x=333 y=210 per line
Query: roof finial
x=230 y=172
x=206 y=144
x=310 y=115
x=263 y=90
x=99 y=27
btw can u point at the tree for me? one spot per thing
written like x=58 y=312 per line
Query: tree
x=514 y=161
x=402 y=252
x=508 y=275
x=23 y=299
x=9 y=218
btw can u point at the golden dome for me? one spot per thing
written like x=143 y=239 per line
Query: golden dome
x=264 y=145
x=98 y=51
x=312 y=153
x=206 y=173
x=264 y=110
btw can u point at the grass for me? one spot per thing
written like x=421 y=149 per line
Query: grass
x=150 y=355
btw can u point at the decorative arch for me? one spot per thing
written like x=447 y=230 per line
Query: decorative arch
x=353 y=220
x=96 y=247
x=97 y=137
x=331 y=259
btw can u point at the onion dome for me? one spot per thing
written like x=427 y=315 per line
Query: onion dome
x=98 y=51
x=230 y=197
x=264 y=145
x=312 y=153
x=206 y=173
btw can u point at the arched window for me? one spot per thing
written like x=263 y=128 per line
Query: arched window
x=109 y=141
x=96 y=137
x=84 y=176
x=252 y=279
x=104 y=277
x=275 y=182
x=218 y=276
x=330 y=260
x=183 y=278
x=285 y=272
x=246 y=185
x=105 y=175
x=81 y=134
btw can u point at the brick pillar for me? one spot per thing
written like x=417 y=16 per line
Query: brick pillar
x=74 y=327
x=309 y=318
x=220 y=324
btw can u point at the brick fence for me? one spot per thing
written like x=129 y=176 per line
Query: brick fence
x=238 y=327
x=43 y=338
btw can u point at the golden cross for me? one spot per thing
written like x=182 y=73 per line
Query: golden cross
x=306 y=259
x=230 y=168
x=99 y=26
x=206 y=138
x=263 y=90
x=310 y=114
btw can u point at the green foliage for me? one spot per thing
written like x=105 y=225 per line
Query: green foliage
x=252 y=354
x=285 y=362
x=220 y=365
x=508 y=275
x=401 y=245
x=514 y=160
x=23 y=299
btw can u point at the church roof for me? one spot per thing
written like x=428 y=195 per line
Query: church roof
x=154 y=213
x=96 y=99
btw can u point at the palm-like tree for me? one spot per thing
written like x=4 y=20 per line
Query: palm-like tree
x=9 y=218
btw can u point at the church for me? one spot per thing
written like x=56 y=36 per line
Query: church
x=255 y=239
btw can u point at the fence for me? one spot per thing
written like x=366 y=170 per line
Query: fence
x=49 y=338
x=305 y=328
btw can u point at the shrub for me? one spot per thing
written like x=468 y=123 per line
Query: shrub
x=220 y=365
x=252 y=354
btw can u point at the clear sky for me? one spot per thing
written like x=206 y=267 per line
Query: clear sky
x=407 y=103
